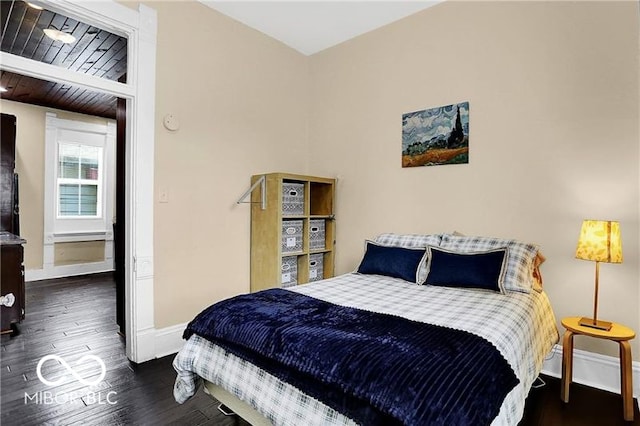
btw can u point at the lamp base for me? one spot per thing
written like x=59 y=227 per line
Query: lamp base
x=590 y=322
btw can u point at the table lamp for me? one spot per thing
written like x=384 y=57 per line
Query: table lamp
x=599 y=242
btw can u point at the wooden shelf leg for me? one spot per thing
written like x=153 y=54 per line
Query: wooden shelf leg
x=567 y=365
x=626 y=379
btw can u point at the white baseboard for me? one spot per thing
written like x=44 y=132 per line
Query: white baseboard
x=146 y=345
x=592 y=369
x=68 y=270
x=169 y=340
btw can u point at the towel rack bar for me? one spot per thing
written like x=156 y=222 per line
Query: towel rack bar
x=263 y=192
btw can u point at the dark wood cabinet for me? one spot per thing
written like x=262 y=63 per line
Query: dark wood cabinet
x=8 y=181
x=11 y=245
x=12 y=280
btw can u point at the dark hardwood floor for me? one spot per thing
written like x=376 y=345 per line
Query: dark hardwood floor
x=70 y=318
x=74 y=317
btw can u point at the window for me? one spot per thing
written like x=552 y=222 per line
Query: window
x=79 y=183
x=79 y=175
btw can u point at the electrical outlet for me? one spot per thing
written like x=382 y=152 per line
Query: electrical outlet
x=163 y=196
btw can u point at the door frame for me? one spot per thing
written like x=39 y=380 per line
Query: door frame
x=139 y=27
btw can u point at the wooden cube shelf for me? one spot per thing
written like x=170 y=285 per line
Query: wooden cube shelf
x=276 y=227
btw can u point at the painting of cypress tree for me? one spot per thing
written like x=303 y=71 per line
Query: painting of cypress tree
x=436 y=136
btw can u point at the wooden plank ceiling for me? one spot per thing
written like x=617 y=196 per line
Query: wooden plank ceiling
x=96 y=52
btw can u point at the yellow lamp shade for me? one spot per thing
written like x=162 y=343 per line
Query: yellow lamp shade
x=600 y=241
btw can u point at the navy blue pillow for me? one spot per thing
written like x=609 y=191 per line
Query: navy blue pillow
x=467 y=270
x=397 y=262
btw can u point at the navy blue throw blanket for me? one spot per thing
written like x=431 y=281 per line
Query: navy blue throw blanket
x=376 y=369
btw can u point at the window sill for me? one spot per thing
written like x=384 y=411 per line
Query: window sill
x=66 y=237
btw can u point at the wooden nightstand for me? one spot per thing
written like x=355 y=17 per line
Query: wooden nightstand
x=618 y=333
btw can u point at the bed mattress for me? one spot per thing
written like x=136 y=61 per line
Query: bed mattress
x=521 y=326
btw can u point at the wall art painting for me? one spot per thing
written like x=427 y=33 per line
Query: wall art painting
x=436 y=136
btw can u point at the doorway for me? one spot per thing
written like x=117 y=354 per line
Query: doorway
x=139 y=27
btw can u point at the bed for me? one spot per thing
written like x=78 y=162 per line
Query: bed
x=497 y=339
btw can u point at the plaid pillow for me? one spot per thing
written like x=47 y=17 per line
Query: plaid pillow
x=411 y=241
x=520 y=261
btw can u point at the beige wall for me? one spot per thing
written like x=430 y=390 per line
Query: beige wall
x=30 y=134
x=241 y=98
x=553 y=89
x=30 y=167
x=78 y=252
x=553 y=92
